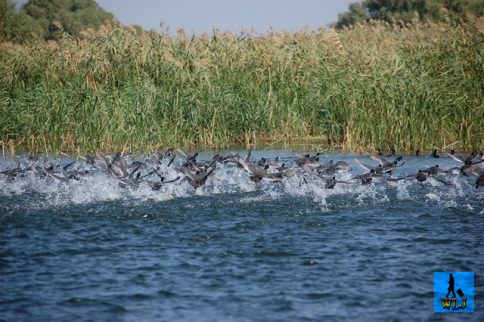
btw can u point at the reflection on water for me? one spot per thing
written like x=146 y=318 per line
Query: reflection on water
x=236 y=250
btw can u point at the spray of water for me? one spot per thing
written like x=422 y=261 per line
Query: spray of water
x=29 y=190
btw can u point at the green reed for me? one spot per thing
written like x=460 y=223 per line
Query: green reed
x=372 y=86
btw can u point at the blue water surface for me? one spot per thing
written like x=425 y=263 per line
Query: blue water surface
x=234 y=250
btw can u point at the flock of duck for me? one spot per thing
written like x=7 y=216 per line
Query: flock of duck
x=161 y=168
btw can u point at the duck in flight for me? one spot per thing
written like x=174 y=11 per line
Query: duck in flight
x=384 y=165
x=480 y=179
x=256 y=172
x=472 y=164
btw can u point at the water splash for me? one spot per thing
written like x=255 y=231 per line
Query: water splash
x=30 y=191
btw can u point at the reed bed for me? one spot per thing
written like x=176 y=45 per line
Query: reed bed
x=368 y=87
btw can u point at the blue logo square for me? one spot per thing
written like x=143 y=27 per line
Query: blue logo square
x=453 y=291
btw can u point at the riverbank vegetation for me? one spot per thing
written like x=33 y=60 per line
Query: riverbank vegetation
x=40 y=19
x=372 y=85
x=401 y=12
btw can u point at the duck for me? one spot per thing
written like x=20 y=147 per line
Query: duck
x=331 y=167
x=330 y=182
x=386 y=163
x=199 y=177
x=392 y=153
x=366 y=178
x=155 y=186
x=257 y=173
x=423 y=175
x=480 y=180
x=432 y=171
x=384 y=166
x=467 y=160
x=308 y=160
x=472 y=164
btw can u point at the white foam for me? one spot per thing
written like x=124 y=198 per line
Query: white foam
x=432 y=196
x=229 y=179
x=403 y=192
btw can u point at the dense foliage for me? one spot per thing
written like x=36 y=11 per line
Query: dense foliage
x=45 y=19
x=375 y=85
x=14 y=25
x=405 y=11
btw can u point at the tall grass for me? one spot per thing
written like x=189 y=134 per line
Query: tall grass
x=371 y=86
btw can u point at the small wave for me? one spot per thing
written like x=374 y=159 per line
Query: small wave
x=274 y=253
x=318 y=296
x=166 y=293
x=83 y=301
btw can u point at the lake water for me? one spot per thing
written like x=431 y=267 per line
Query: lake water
x=234 y=250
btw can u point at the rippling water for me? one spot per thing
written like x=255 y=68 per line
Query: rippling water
x=236 y=251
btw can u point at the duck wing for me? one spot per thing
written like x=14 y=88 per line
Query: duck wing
x=363 y=165
x=456 y=158
x=342 y=165
x=380 y=160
